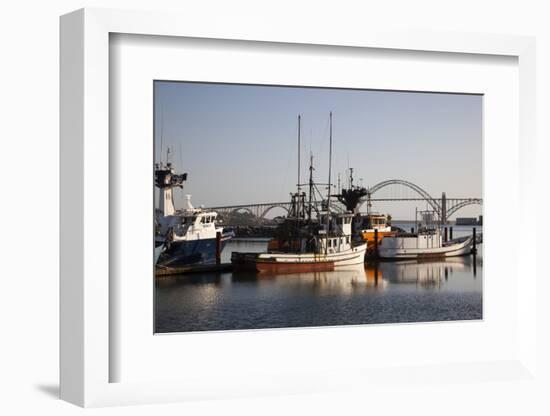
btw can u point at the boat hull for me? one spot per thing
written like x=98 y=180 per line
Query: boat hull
x=158 y=251
x=185 y=253
x=393 y=248
x=280 y=263
x=369 y=237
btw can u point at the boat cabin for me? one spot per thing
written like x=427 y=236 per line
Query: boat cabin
x=339 y=224
x=376 y=222
x=199 y=218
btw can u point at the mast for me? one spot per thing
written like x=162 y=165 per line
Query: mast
x=310 y=186
x=161 y=132
x=299 y=133
x=329 y=183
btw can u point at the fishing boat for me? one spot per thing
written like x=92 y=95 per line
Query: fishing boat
x=188 y=236
x=423 y=246
x=304 y=243
x=327 y=248
x=426 y=243
x=372 y=226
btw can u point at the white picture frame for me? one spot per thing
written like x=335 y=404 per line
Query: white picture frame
x=85 y=217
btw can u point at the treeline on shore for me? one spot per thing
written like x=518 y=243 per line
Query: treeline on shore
x=254 y=231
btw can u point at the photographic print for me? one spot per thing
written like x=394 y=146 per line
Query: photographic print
x=288 y=206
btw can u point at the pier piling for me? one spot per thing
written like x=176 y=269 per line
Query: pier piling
x=218 y=247
x=445 y=235
x=376 y=242
x=474 y=247
x=450 y=233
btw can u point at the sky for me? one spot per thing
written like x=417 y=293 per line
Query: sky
x=239 y=143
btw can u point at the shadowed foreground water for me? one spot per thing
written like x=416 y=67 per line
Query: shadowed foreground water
x=385 y=293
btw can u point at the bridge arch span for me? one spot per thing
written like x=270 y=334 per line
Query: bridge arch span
x=425 y=195
x=452 y=210
x=240 y=209
x=264 y=213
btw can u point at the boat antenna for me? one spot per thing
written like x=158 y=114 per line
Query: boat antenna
x=181 y=167
x=161 y=131
x=349 y=185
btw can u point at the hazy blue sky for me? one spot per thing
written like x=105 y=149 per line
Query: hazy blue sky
x=238 y=143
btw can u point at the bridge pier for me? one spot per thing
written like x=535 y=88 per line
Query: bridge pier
x=443 y=209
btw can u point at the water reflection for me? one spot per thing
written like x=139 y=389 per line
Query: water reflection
x=405 y=291
x=372 y=276
x=344 y=280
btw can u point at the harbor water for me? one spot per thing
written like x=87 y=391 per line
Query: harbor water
x=385 y=292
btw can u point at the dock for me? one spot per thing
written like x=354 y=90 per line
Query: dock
x=161 y=272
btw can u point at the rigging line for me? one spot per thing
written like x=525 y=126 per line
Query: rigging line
x=181 y=170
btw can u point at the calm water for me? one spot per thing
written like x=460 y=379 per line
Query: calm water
x=385 y=293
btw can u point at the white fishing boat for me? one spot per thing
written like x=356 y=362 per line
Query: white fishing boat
x=422 y=246
x=327 y=249
x=304 y=243
x=427 y=243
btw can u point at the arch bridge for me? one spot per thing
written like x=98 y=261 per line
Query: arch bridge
x=444 y=207
x=259 y=211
